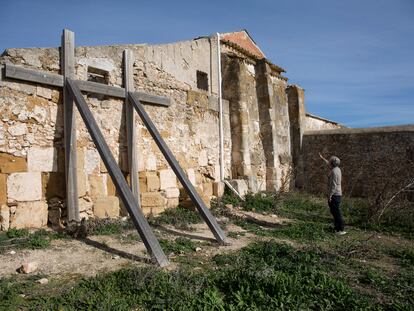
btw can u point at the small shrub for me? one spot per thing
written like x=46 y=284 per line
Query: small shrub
x=17 y=233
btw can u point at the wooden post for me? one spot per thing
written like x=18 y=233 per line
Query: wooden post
x=68 y=71
x=130 y=125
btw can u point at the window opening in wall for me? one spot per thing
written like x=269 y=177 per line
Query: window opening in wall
x=98 y=75
x=202 y=80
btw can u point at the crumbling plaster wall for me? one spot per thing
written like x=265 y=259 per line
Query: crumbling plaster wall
x=32 y=183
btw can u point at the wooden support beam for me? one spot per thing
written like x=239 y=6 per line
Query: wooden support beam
x=130 y=125
x=30 y=75
x=68 y=71
x=182 y=177
x=141 y=224
x=43 y=77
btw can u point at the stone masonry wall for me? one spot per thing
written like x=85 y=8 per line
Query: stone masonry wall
x=259 y=122
x=32 y=179
x=373 y=160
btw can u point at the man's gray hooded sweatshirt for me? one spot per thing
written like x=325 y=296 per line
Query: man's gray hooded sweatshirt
x=335 y=177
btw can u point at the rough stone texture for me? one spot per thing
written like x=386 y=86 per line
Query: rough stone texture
x=3 y=188
x=24 y=187
x=42 y=159
x=106 y=207
x=218 y=188
x=240 y=186
x=372 y=160
x=53 y=185
x=29 y=215
x=4 y=217
x=152 y=199
x=97 y=186
x=12 y=164
x=173 y=202
x=167 y=179
x=171 y=193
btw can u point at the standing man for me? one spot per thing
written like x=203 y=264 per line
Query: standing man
x=335 y=192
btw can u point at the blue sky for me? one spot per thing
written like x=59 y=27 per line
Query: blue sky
x=355 y=59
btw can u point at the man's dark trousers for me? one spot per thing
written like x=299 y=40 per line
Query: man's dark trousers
x=336 y=212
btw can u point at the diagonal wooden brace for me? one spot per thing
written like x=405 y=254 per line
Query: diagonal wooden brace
x=182 y=177
x=141 y=224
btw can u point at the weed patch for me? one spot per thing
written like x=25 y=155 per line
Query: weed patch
x=179 y=217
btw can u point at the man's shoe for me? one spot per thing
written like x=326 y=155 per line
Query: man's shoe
x=341 y=232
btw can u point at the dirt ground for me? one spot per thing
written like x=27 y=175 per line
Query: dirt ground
x=105 y=253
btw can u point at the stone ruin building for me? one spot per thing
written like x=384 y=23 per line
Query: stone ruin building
x=270 y=142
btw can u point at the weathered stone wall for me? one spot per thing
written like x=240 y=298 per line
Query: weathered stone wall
x=32 y=182
x=373 y=160
x=315 y=123
x=259 y=122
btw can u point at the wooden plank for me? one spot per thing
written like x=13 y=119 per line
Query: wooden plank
x=68 y=71
x=130 y=125
x=20 y=73
x=43 y=77
x=153 y=99
x=182 y=177
x=99 y=88
x=141 y=224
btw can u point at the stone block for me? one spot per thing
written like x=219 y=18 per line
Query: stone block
x=208 y=189
x=42 y=159
x=152 y=199
x=92 y=161
x=97 y=186
x=154 y=210
x=53 y=185
x=172 y=193
x=17 y=129
x=202 y=158
x=218 y=188
x=82 y=183
x=167 y=179
x=85 y=204
x=24 y=187
x=153 y=183
x=110 y=187
x=4 y=217
x=11 y=164
x=173 y=202
x=191 y=176
x=240 y=185
x=44 y=92
x=29 y=215
x=3 y=188
x=55 y=217
x=106 y=207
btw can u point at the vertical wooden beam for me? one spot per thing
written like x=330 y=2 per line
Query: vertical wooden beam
x=130 y=125
x=68 y=71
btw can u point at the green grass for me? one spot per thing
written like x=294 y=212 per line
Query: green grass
x=178 y=246
x=22 y=239
x=179 y=217
x=261 y=276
